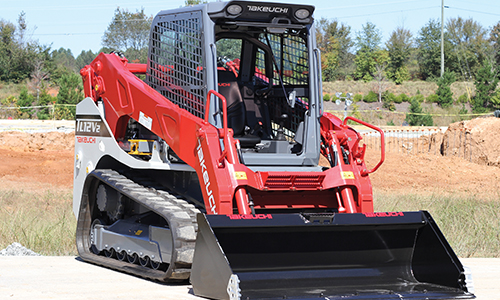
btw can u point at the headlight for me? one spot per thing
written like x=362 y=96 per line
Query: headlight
x=234 y=9
x=302 y=14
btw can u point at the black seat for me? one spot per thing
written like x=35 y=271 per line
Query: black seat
x=236 y=112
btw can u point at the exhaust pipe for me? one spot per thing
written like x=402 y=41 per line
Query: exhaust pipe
x=397 y=255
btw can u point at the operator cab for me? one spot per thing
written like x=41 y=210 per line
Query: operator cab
x=262 y=58
x=263 y=71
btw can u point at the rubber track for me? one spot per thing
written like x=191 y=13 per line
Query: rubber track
x=180 y=215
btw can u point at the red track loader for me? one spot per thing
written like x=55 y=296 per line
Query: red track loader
x=203 y=165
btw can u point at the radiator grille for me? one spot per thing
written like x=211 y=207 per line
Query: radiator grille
x=275 y=181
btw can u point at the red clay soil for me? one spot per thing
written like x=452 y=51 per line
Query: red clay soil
x=46 y=159
x=33 y=161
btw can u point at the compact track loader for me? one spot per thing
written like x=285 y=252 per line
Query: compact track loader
x=208 y=169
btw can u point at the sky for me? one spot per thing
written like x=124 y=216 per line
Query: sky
x=80 y=25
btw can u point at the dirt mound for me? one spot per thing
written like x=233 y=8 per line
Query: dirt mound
x=36 y=160
x=477 y=140
x=469 y=163
x=29 y=142
x=434 y=174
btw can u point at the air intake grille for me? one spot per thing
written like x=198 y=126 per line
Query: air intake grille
x=278 y=181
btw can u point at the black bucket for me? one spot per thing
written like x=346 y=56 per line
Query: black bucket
x=399 y=255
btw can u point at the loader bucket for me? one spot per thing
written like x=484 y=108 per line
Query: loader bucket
x=400 y=255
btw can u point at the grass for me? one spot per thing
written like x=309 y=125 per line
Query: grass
x=10 y=89
x=41 y=221
x=44 y=222
x=471 y=225
x=408 y=87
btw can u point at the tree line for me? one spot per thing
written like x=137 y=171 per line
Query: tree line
x=471 y=53
x=38 y=68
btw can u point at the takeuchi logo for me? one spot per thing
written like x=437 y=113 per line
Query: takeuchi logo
x=384 y=214
x=251 y=217
x=268 y=9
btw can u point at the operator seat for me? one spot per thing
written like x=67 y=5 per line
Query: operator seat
x=236 y=112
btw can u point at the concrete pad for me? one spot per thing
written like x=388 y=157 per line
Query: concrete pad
x=486 y=277
x=67 y=277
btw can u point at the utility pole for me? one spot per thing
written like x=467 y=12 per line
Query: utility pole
x=442 y=38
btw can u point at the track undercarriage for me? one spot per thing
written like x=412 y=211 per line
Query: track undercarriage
x=130 y=226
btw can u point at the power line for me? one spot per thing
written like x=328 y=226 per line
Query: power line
x=371 y=4
x=386 y=12
x=77 y=7
x=475 y=11
x=476 y=3
x=67 y=34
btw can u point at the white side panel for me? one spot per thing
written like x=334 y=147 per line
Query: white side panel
x=93 y=140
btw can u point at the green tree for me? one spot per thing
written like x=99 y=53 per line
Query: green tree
x=129 y=32
x=62 y=62
x=495 y=99
x=24 y=102
x=17 y=52
x=84 y=58
x=495 y=42
x=193 y=2
x=70 y=93
x=230 y=48
x=416 y=117
x=469 y=46
x=45 y=99
x=429 y=50
x=335 y=42
x=399 y=48
x=486 y=83
x=445 y=96
x=368 y=50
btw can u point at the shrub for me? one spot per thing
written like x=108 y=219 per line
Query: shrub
x=464 y=98
x=433 y=98
x=355 y=111
x=402 y=98
x=445 y=96
x=418 y=97
x=389 y=97
x=357 y=97
x=486 y=83
x=389 y=105
x=415 y=117
x=25 y=100
x=371 y=97
x=495 y=99
x=9 y=101
x=463 y=110
x=326 y=97
x=45 y=99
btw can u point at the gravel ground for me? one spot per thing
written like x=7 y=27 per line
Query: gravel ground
x=16 y=249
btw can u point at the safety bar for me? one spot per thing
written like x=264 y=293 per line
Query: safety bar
x=224 y=109
x=382 y=142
